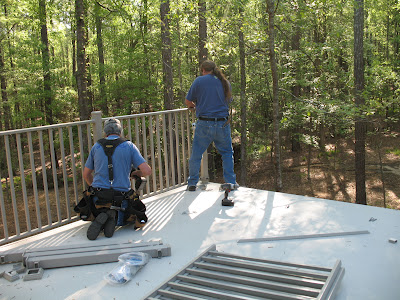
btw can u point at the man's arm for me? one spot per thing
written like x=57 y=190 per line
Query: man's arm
x=88 y=175
x=143 y=170
x=190 y=104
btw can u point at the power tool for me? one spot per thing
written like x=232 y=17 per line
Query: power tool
x=227 y=187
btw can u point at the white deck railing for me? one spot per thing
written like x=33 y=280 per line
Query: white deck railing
x=33 y=200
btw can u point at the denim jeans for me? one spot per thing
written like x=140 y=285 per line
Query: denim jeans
x=205 y=133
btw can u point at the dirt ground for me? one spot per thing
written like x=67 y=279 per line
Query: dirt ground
x=331 y=174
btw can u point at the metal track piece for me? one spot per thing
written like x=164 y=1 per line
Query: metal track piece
x=220 y=275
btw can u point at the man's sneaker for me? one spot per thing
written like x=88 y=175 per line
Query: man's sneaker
x=96 y=226
x=191 y=188
x=109 y=226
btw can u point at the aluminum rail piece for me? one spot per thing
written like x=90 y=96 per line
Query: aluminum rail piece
x=222 y=275
x=306 y=236
x=16 y=255
x=90 y=255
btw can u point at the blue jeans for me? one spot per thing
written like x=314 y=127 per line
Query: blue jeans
x=205 y=133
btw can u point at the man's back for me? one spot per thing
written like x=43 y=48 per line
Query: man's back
x=208 y=93
x=124 y=157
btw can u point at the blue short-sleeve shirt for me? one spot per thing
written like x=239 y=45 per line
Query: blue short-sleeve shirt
x=125 y=156
x=208 y=94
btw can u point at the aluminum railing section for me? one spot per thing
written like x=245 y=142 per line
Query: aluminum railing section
x=41 y=167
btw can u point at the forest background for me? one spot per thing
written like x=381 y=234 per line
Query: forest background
x=316 y=83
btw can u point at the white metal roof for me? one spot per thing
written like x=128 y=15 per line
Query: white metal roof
x=190 y=222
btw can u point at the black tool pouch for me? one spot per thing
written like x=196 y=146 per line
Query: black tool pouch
x=84 y=208
x=136 y=207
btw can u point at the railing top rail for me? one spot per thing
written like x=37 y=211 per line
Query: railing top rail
x=164 y=112
x=46 y=127
x=54 y=126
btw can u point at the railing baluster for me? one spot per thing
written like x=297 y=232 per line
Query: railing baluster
x=177 y=150
x=181 y=115
x=73 y=163
x=137 y=143
x=44 y=173
x=122 y=125
x=34 y=182
x=89 y=137
x=160 y=168
x=65 y=175
x=3 y=210
x=190 y=131
x=145 y=148
x=82 y=156
x=55 y=179
x=23 y=182
x=171 y=149
x=129 y=130
x=153 y=163
x=12 y=187
x=165 y=151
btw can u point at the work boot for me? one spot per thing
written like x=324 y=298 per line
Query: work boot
x=96 y=226
x=191 y=188
x=109 y=226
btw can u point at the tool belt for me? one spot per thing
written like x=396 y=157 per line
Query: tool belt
x=107 y=198
x=110 y=196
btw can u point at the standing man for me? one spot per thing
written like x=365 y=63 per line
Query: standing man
x=109 y=177
x=211 y=94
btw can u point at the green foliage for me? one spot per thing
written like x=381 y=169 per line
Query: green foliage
x=394 y=151
x=259 y=149
x=315 y=75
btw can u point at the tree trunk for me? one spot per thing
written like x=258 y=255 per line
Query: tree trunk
x=17 y=109
x=100 y=51
x=81 y=79
x=203 y=52
x=3 y=80
x=243 y=105
x=360 y=127
x=275 y=95
x=145 y=105
x=295 y=134
x=181 y=91
x=6 y=117
x=89 y=93
x=47 y=96
x=166 y=54
x=73 y=42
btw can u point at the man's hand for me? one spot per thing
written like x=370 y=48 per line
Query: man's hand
x=190 y=104
x=143 y=170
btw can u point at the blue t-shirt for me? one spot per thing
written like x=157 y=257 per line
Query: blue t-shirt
x=125 y=156
x=208 y=94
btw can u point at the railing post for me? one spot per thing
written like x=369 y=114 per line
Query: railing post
x=98 y=125
x=204 y=168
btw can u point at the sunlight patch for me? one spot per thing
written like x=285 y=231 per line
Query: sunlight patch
x=202 y=203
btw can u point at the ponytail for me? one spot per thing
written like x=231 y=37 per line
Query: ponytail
x=208 y=66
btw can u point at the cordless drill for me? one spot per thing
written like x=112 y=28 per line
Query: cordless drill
x=227 y=187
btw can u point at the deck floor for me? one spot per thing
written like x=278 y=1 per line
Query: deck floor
x=190 y=222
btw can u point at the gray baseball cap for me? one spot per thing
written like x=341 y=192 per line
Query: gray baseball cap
x=112 y=126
